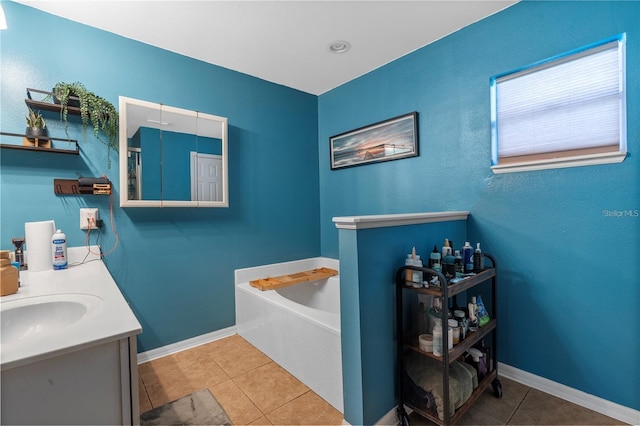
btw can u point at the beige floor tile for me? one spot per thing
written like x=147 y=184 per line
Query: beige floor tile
x=307 y=409
x=539 y=408
x=261 y=421
x=475 y=417
x=416 y=419
x=270 y=386
x=178 y=375
x=502 y=408
x=145 y=403
x=238 y=406
x=235 y=355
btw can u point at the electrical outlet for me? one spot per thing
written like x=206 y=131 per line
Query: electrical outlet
x=89 y=218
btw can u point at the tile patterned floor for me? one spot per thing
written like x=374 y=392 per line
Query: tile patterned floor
x=251 y=388
x=254 y=390
x=522 y=405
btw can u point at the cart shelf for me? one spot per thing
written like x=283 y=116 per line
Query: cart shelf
x=472 y=338
x=409 y=340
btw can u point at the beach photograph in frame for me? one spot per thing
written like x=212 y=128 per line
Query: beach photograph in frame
x=386 y=140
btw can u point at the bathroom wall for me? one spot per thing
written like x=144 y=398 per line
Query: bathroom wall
x=174 y=266
x=568 y=267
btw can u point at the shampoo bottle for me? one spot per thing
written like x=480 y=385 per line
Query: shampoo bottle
x=467 y=257
x=59 y=250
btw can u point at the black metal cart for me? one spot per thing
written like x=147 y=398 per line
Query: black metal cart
x=408 y=341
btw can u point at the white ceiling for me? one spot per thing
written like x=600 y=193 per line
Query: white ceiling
x=285 y=42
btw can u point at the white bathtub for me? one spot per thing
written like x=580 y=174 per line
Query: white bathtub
x=298 y=326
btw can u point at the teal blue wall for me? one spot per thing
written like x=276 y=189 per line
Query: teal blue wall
x=569 y=272
x=174 y=266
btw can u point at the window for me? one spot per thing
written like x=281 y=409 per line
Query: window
x=565 y=111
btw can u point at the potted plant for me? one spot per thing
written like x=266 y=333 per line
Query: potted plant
x=94 y=110
x=36 y=126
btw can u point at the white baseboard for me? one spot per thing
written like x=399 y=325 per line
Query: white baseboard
x=592 y=402
x=185 y=344
x=391 y=418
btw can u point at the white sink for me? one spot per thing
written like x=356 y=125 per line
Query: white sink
x=43 y=315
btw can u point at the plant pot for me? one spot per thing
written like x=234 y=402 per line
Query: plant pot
x=73 y=101
x=35 y=133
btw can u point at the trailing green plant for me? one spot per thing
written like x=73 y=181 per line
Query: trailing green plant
x=35 y=120
x=94 y=110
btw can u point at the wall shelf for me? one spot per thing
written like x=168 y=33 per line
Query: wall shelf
x=75 y=150
x=50 y=106
x=75 y=187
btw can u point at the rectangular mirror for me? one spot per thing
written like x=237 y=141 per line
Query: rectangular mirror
x=171 y=157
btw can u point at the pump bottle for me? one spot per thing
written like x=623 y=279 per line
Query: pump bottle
x=478 y=259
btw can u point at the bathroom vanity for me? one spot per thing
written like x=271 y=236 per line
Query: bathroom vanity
x=68 y=350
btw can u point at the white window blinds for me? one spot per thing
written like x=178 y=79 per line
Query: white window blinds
x=569 y=106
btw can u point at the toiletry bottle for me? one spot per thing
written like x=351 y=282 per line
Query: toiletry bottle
x=446 y=248
x=478 y=259
x=467 y=257
x=408 y=273
x=417 y=275
x=434 y=259
x=413 y=278
x=459 y=262
x=473 y=314
x=59 y=250
x=448 y=264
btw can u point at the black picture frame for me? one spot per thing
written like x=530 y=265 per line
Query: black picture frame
x=391 y=139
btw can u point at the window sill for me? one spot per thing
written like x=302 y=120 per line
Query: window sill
x=557 y=163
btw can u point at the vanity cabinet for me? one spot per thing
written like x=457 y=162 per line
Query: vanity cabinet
x=90 y=386
x=408 y=342
x=68 y=352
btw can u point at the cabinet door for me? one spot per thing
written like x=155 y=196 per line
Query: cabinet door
x=81 y=387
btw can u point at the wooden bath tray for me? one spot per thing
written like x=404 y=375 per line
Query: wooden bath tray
x=272 y=283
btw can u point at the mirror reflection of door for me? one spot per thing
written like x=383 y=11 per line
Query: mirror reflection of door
x=206 y=177
x=134 y=173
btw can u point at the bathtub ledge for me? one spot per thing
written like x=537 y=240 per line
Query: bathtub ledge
x=386 y=220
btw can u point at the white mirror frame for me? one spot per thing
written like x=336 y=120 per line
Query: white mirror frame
x=123 y=150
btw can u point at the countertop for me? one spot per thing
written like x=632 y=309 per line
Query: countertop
x=111 y=320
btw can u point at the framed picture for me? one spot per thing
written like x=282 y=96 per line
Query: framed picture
x=386 y=140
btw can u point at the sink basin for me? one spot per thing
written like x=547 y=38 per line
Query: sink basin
x=43 y=315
